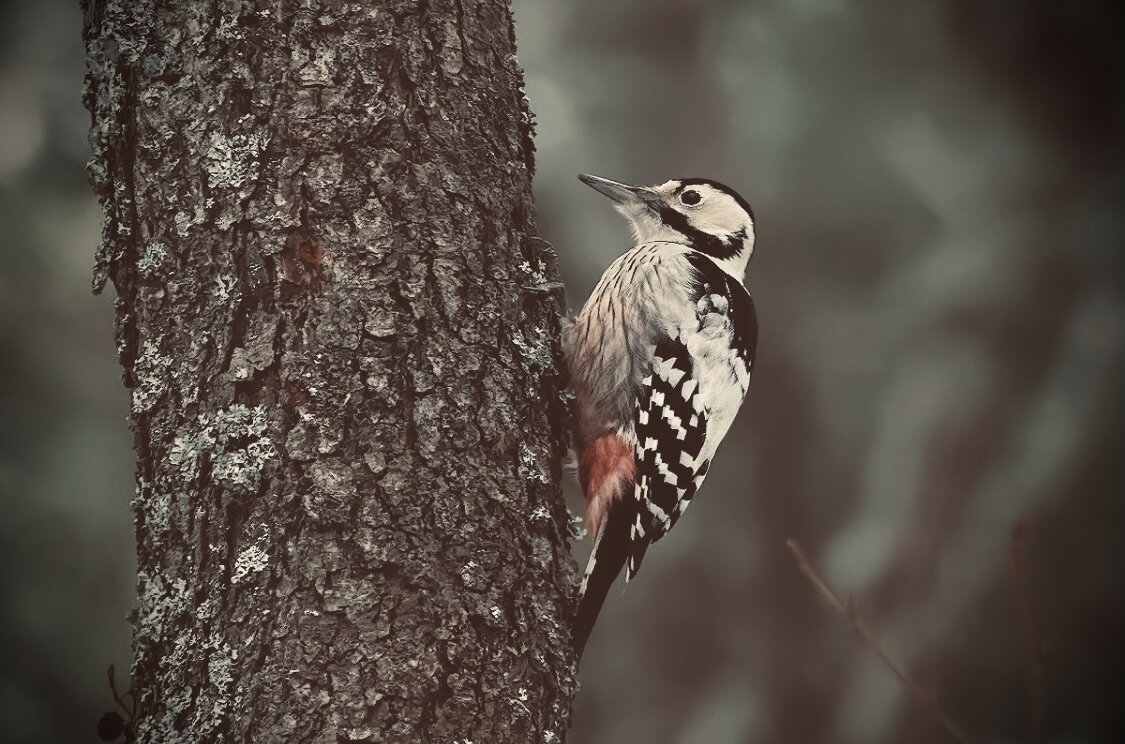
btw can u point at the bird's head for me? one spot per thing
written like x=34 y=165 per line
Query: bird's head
x=701 y=214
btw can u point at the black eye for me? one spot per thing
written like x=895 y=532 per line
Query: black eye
x=690 y=197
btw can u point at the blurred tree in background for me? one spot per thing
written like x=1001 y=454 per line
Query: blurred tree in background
x=938 y=276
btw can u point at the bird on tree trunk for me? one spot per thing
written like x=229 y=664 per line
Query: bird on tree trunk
x=659 y=361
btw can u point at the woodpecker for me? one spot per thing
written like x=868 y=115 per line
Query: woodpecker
x=659 y=361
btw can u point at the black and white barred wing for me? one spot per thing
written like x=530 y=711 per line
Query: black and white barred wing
x=671 y=428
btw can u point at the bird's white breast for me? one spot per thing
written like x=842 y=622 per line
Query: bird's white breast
x=643 y=297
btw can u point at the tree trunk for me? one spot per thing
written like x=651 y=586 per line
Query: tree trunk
x=341 y=338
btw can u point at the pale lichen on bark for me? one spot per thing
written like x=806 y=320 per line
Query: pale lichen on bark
x=342 y=341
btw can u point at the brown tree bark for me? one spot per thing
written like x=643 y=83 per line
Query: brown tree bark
x=341 y=337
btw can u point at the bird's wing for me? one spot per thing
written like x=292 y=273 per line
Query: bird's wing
x=672 y=452
x=724 y=304
x=671 y=427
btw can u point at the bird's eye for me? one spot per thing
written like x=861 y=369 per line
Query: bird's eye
x=690 y=197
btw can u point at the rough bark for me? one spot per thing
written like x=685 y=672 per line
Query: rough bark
x=341 y=339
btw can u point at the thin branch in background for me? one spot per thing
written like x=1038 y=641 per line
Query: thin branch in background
x=1033 y=646
x=130 y=710
x=925 y=698
x=113 y=725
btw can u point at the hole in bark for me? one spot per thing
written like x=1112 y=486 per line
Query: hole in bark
x=302 y=257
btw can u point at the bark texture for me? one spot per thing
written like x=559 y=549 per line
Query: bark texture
x=341 y=338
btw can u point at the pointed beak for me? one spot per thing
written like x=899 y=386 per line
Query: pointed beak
x=622 y=193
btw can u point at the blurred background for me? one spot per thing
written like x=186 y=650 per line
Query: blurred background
x=938 y=277
x=939 y=282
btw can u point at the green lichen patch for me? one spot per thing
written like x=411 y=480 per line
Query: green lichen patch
x=531 y=465
x=151 y=372
x=187 y=449
x=173 y=636
x=153 y=261
x=233 y=440
x=156 y=506
x=536 y=349
x=184 y=222
x=232 y=162
x=245 y=450
x=250 y=561
x=535 y=273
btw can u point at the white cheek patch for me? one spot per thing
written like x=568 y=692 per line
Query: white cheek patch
x=720 y=215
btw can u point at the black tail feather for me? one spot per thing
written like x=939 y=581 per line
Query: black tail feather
x=608 y=558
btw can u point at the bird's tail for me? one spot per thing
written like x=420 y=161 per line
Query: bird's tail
x=608 y=557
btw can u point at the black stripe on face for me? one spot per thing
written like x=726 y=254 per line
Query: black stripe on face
x=701 y=241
